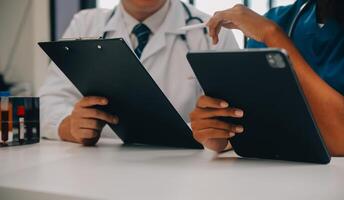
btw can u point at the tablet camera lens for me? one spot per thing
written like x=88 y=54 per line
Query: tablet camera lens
x=276 y=61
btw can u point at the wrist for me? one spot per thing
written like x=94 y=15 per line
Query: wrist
x=272 y=34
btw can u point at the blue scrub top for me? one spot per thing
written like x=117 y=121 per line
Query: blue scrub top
x=322 y=48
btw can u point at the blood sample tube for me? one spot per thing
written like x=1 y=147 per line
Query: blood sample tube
x=21 y=115
x=4 y=120
x=10 y=122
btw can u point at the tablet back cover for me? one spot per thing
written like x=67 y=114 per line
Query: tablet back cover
x=278 y=123
x=108 y=68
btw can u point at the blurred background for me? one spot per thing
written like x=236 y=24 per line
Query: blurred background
x=25 y=22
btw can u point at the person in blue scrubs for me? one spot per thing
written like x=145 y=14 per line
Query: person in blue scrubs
x=312 y=31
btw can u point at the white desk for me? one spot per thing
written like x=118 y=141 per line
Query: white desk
x=57 y=170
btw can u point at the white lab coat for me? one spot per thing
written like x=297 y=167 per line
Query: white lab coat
x=164 y=57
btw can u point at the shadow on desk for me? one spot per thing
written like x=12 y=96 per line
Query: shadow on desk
x=137 y=154
x=119 y=145
x=144 y=147
x=255 y=162
x=228 y=158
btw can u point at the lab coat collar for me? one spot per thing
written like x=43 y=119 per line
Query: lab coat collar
x=116 y=27
x=174 y=20
x=114 y=22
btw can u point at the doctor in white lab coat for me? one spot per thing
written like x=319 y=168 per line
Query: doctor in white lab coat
x=164 y=57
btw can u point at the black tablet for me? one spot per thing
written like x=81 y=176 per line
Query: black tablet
x=278 y=121
x=109 y=68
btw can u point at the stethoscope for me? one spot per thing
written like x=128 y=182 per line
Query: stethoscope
x=187 y=21
x=297 y=17
x=205 y=31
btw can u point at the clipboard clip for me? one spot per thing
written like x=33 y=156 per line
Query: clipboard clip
x=81 y=38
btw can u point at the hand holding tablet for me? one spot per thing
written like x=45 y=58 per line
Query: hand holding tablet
x=209 y=131
x=277 y=122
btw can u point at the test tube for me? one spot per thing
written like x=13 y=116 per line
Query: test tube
x=10 y=122
x=4 y=119
x=21 y=115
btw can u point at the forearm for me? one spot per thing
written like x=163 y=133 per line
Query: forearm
x=64 y=130
x=326 y=103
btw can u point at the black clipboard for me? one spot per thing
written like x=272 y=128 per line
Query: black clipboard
x=278 y=122
x=109 y=68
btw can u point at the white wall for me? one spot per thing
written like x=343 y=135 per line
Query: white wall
x=28 y=20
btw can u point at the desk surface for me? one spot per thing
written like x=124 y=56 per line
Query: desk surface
x=112 y=171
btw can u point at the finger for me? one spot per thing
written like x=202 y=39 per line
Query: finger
x=210 y=123
x=220 y=18
x=91 y=124
x=92 y=101
x=213 y=24
x=216 y=124
x=216 y=36
x=213 y=113
x=91 y=141
x=209 y=102
x=206 y=134
x=97 y=114
x=84 y=133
